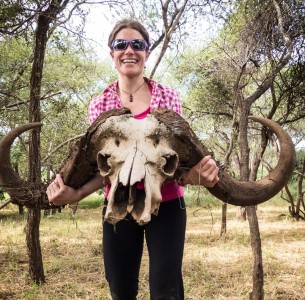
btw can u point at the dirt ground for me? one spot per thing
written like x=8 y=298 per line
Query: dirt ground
x=213 y=268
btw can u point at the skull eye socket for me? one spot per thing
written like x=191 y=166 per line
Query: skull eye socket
x=171 y=164
x=103 y=164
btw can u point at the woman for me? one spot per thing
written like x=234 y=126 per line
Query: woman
x=165 y=233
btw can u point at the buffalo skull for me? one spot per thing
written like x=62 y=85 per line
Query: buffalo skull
x=155 y=150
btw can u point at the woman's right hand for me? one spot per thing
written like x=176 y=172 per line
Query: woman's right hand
x=60 y=194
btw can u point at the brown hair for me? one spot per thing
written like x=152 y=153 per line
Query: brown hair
x=128 y=23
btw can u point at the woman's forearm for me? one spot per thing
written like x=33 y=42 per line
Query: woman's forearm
x=90 y=187
x=60 y=194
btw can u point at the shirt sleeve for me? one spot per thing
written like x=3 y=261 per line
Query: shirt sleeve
x=176 y=102
x=95 y=108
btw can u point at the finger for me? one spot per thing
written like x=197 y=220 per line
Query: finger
x=205 y=164
x=214 y=176
x=205 y=160
x=53 y=187
x=59 y=181
x=211 y=173
x=50 y=193
x=53 y=190
x=215 y=171
x=210 y=168
x=214 y=182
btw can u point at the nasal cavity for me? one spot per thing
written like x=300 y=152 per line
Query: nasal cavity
x=103 y=164
x=171 y=164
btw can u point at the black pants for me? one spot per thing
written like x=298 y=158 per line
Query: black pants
x=123 y=247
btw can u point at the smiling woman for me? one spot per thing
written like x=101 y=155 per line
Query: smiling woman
x=129 y=51
x=165 y=233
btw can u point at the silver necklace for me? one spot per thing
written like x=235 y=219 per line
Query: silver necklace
x=131 y=94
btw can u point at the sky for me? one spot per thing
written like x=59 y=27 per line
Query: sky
x=98 y=29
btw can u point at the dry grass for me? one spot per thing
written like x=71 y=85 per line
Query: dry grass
x=214 y=268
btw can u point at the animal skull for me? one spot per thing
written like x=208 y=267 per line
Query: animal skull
x=155 y=150
x=134 y=152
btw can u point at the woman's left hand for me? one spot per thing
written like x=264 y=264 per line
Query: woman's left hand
x=204 y=173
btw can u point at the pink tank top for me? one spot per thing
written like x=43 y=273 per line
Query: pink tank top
x=169 y=191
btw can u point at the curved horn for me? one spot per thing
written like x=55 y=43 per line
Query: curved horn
x=19 y=190
x=255 y=192
x=228 y=189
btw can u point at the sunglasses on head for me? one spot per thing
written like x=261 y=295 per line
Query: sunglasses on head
x=137 y=45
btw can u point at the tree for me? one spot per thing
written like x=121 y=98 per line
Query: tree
x=17 y=19
x=296 y=199
x=240 y=69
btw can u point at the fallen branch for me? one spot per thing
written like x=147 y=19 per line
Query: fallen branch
x=7 y=202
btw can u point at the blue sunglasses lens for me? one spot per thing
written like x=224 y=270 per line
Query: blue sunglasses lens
x=137 y=45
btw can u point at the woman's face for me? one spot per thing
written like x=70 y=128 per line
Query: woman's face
x=129 y=62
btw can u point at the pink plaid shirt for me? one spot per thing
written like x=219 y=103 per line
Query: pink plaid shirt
x=162 y=97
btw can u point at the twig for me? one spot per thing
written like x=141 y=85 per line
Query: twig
x=59 y=146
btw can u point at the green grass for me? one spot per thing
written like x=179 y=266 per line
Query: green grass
x=91 y=202
x=200 y=197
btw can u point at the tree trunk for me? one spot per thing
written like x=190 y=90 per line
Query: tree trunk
x=292 y=208
x=257 y=262
x=223 y=229
x=21 y=210
x=300 y=198
x=258 y=274
x=33 y=245
x=33 y=220
x=241 y=214
x=244 y=105
x=229 y=151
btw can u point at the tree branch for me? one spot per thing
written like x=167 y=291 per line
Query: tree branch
x=23 y=102
x=282 y=62
x=59 y=146
x=168 y=30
